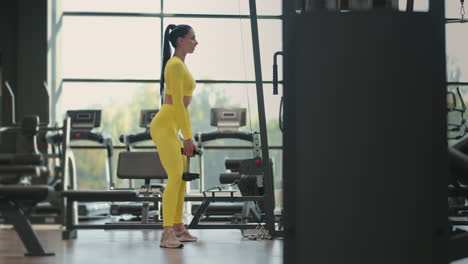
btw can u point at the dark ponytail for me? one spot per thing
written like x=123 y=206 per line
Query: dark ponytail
x=170 y=36
x=166 y=55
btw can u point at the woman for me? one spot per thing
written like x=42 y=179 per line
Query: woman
x=172 y=117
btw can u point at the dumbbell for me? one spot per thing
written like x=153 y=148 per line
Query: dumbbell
x=188 y=176
x=195 y=152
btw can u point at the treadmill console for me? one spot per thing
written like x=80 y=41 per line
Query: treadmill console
x=146 y=116
x=228 y=119
x=84 y=119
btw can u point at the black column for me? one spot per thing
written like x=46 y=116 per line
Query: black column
x=365 y=161
x=32 y=60
x=8 y=49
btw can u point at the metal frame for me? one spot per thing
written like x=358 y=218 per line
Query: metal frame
x=202 y=146
x=152 y=147
x=157 y=81
x=15 y=215
x=267 y=173
x=163 y=15
x=72 y=224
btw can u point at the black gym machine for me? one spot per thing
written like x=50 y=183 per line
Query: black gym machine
x=358 y=85
x=56 y=168
x=24 y=175
x=240 y=172
x=17 y=198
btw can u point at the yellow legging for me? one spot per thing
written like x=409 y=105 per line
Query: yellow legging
x=164 y=132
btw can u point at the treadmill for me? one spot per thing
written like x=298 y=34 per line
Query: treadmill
x=83 y=124
x=228 y=122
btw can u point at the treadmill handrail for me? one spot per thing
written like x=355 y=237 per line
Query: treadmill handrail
x=131 y=138
x=101 y=137
x=204 y=137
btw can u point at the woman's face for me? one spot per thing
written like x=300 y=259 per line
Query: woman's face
x=188 y=42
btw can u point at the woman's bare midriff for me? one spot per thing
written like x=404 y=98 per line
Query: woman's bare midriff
x=168 y=100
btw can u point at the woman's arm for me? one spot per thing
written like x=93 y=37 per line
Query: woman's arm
x=175 y=79
x=189 y=126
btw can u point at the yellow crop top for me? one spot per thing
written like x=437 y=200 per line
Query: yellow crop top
x=179 y=83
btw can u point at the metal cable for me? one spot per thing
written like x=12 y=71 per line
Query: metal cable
x=259 y=233
x=462 y=9
x=245 y=73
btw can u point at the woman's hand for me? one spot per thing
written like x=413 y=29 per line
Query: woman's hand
x=189 y=147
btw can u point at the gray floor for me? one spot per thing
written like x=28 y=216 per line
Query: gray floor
x=141 y=246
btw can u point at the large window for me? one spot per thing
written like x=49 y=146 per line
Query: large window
x=111 y=47
x=111 y=60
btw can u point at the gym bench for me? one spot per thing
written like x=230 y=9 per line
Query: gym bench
x=14 y=199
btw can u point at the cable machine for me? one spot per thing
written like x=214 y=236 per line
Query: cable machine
x=358 y=86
